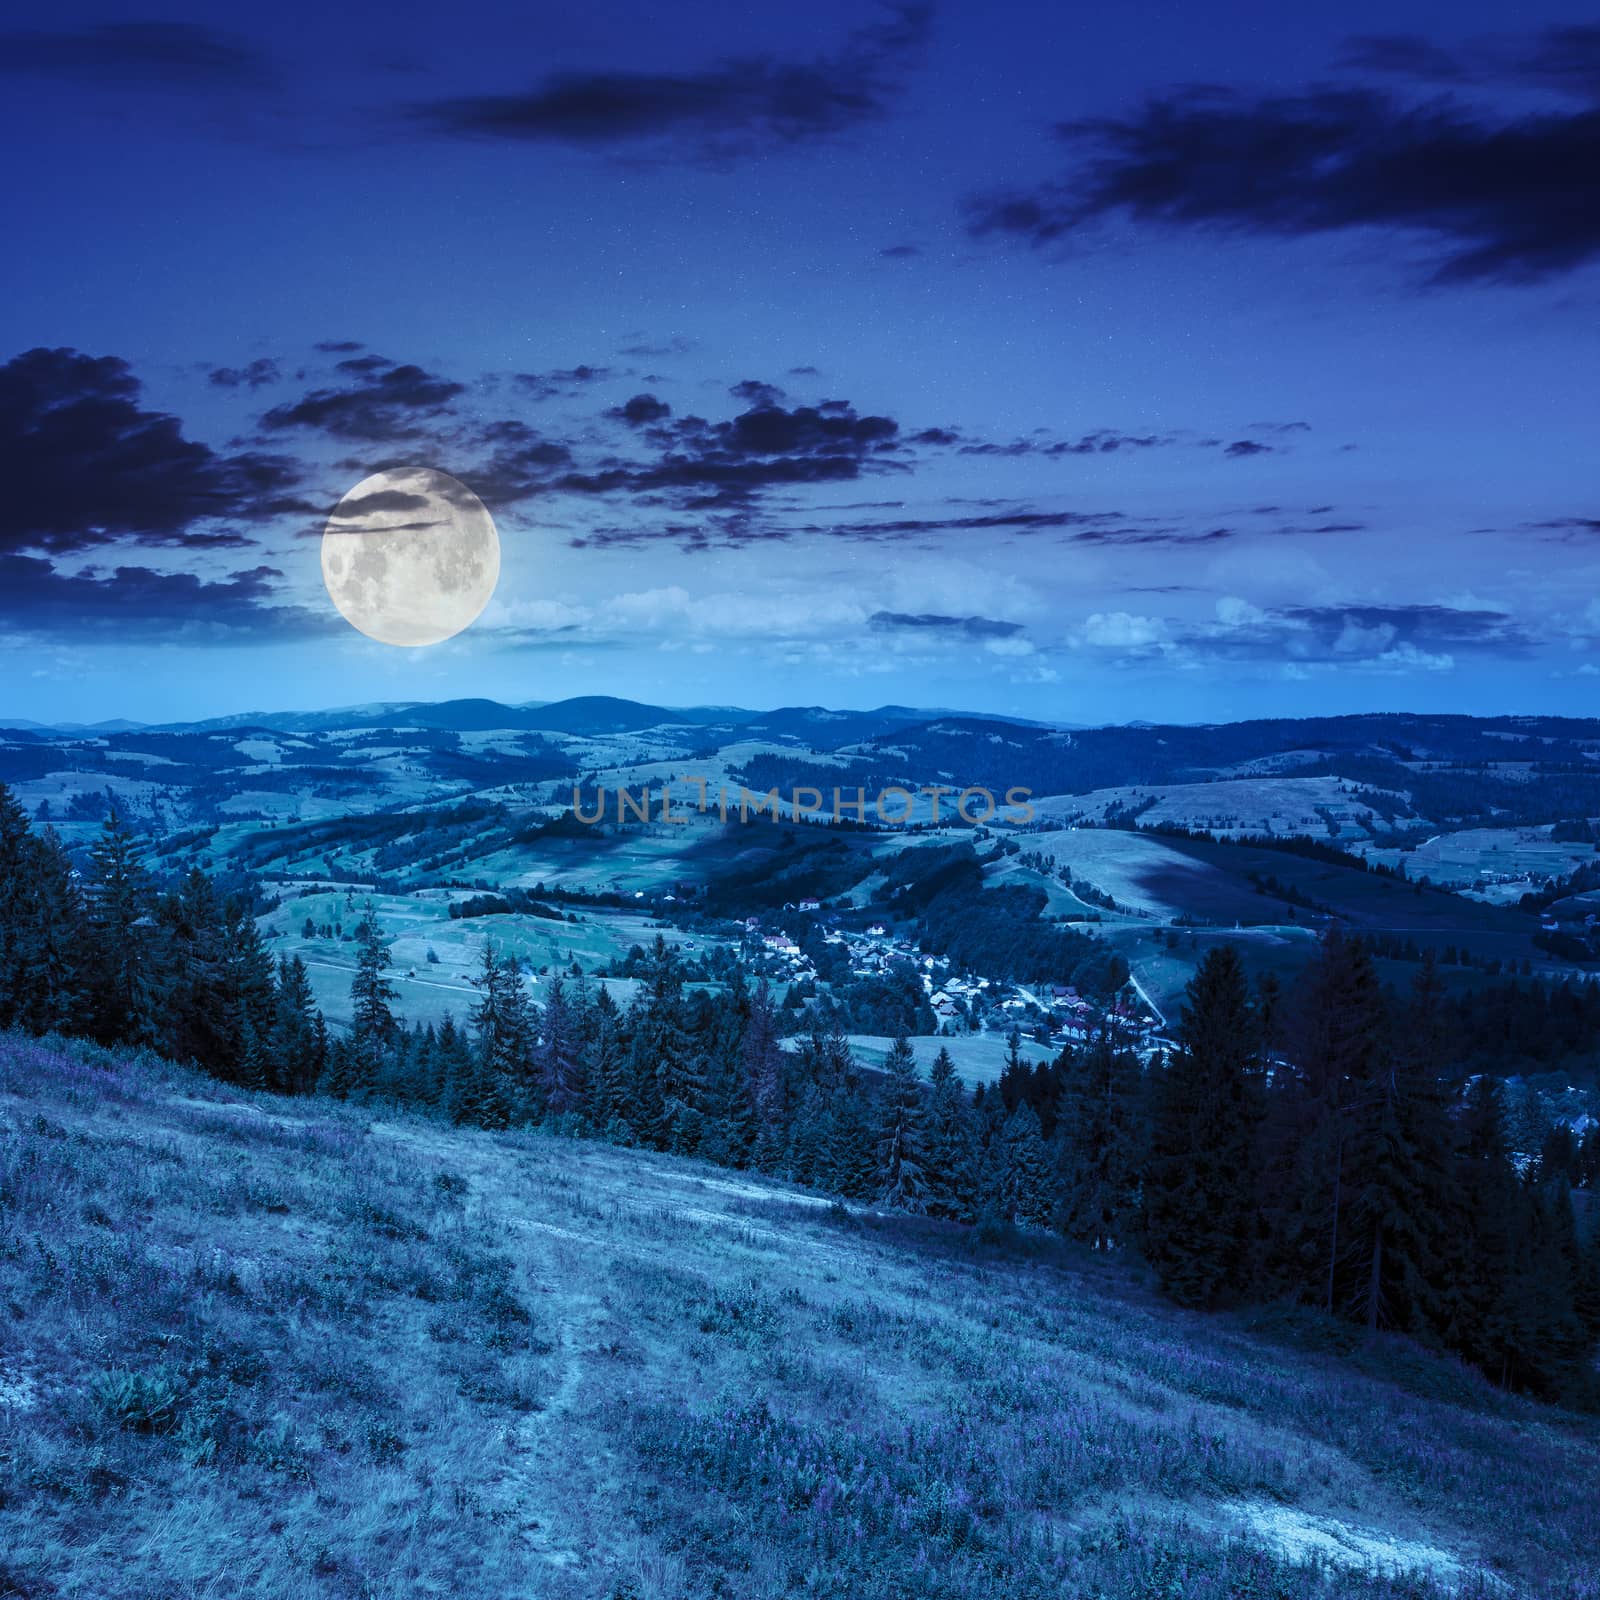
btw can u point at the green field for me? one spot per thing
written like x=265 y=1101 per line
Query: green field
x=418 y=923
x=1266 y=802
x=978 y=1056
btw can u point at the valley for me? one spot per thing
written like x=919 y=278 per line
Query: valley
x=1152 y=841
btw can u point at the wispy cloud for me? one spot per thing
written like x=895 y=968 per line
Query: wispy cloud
x=728 y=109
x=165 y=55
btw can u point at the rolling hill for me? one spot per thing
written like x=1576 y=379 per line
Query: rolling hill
x=336 y=1350
x=424 y=795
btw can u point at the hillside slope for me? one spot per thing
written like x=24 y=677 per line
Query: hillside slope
x=295 y=1348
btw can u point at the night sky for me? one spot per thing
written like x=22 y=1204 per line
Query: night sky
x=1166 y=361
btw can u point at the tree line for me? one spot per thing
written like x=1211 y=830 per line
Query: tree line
x=1309 y=1147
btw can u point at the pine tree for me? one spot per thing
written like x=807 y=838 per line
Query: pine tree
x=765 y=1079
x=292 y=1043
x=118 y=936
x=46 y=955
x=902 y=1179
x=1482 y=1327
x=500 y=1067
x=339 y=1073
x=665 y=1081
x=990 y=1168
x=1199 y=1183
x=199 y=1018
x=950 y=1141
x=247 y=987
x=1406 y=1212
x=559 y=1065
x=1548 y=1350
x=16 y=863
x=252 y=1067
x=851 y=1159
x=806 y=1160
x=1026 y=1185
x=372 y=996
x=728 y=1136
x=605 y=1062
x=1099 y=1130
x=1337 y=1037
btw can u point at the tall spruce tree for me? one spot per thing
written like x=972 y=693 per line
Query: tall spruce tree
x=902 y=1178
x=198 y=1018
x=372 y=1023
x=559 y=1065
x=1099 y=1133
x=950 y=1140
x=1338 y=1038
x=1406 y=1212
x=500 y=1068
x=46 y=951
x=765 y=1081
x=1199 y=1186
x=1026 y=1188
x=293 y=1051
x=119 y=979
x=16 y=863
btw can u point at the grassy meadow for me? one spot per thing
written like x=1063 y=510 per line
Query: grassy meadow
x=297 y=1348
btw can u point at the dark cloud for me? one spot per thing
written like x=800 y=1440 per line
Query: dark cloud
x=971 y=627
x=386 y=402
x=561 y=381
x=1136 y=535
x=521 y=463
x=732 y=108
x=1103 y=441
x=1011 y=519
x=1098 y=442
x=1430 y=624
x=1569 y=529
x=900 y=252
x=354 y=510
x=85 y=463
x=1503 y=199
x=138 y=601
x=705 y=465
x=1563 y=59
x=255 y=375
x=1404 y=56
x=1109 y=528
x=180 y=55
x=756 y=393
x=1393 y=636
x=641 y=410
x=644 y=349
x=804 y=372
x=339 y=346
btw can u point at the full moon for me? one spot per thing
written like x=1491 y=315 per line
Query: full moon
x=410 y=556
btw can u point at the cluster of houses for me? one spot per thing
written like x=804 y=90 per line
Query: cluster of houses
x=955 y=998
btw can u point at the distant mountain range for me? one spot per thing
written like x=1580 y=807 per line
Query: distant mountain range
x=816 y=727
